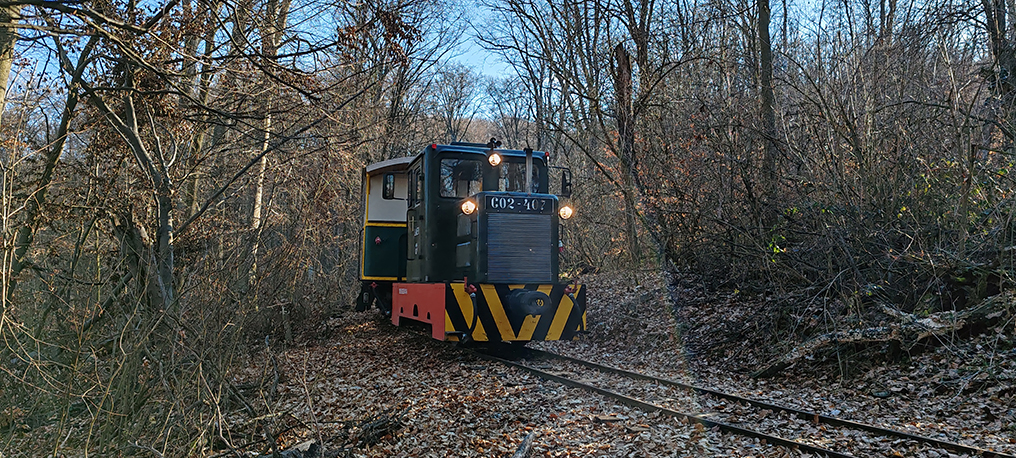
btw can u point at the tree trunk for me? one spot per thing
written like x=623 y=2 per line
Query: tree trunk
x=995 y=13
x=163 y=188
x=768 y=111
x=626 y=145
x=164 y=239
x=8 y=36
x=162 y=292
x=259 y=190
x=201 y=81
x=274 y=22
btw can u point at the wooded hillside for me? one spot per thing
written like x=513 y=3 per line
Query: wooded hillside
x=181 y=178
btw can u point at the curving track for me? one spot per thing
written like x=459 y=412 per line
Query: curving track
x=807 y=431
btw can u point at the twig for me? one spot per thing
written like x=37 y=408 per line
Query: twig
x=147 y=448
x=526 y=449
x=310 y=402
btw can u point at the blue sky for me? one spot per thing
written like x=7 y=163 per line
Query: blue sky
x=474 y=56
x=470 y=53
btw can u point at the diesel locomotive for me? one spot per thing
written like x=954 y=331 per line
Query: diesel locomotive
x=464 y=238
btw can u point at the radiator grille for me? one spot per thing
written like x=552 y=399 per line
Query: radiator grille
x=519 y=248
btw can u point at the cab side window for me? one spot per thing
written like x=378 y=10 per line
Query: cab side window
x=412 y=188
x=388 y=186
x=419 y=187
x=415 y=187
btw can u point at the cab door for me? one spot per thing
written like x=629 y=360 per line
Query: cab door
x=415 y=233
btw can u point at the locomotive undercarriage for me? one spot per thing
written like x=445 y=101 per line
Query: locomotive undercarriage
x=375 y=294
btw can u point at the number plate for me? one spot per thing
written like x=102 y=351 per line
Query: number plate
x=510 y=204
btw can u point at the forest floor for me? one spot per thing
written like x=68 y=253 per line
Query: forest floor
x=357 y=382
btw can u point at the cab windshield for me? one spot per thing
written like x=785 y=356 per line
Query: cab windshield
x=460 y=177
x=513 y=177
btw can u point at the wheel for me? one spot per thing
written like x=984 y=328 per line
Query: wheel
x=383 y=293
x=366 y=297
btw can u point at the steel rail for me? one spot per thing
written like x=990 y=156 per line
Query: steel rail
x=694 y=418
x=816 y=417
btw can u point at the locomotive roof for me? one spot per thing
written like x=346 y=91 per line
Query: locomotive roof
x=482 y=149
x=399 y=163
x=402 y=163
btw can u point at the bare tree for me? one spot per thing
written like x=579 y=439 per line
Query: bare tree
x=8 y=33
x=513 y=111
x=1003 y=53
x=456 y=91
x=558 y=49
x=625 y=119
x=770 y=174
x=157 y=99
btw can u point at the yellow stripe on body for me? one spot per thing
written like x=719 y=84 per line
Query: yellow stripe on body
x=564 y=310
x=363 y=251
x=560 y=318
x=545 y=289
x=528 y=327
x=583 y=312
x=449 y=327
x=497 y=311
x=466 y=303
x=379 y=224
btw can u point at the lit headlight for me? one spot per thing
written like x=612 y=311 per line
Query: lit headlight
x=494 y=159
x=468 y=207
x=565 y=212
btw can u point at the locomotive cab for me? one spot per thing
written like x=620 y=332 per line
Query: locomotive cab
x=383 y=243
x=481 y=251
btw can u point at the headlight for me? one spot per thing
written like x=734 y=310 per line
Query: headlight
x=494 y=159
x=565 y=212
x=468 y=207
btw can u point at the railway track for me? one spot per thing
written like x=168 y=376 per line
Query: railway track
x=777 y=425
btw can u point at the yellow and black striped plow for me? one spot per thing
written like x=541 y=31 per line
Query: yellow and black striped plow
x=515 y=312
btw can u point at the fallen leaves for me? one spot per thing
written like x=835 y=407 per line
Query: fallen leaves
x=452 y=405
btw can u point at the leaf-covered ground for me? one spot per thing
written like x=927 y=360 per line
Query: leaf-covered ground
x=366 y=389
x=433 y=400
x=960 y=390
x=450 y=404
